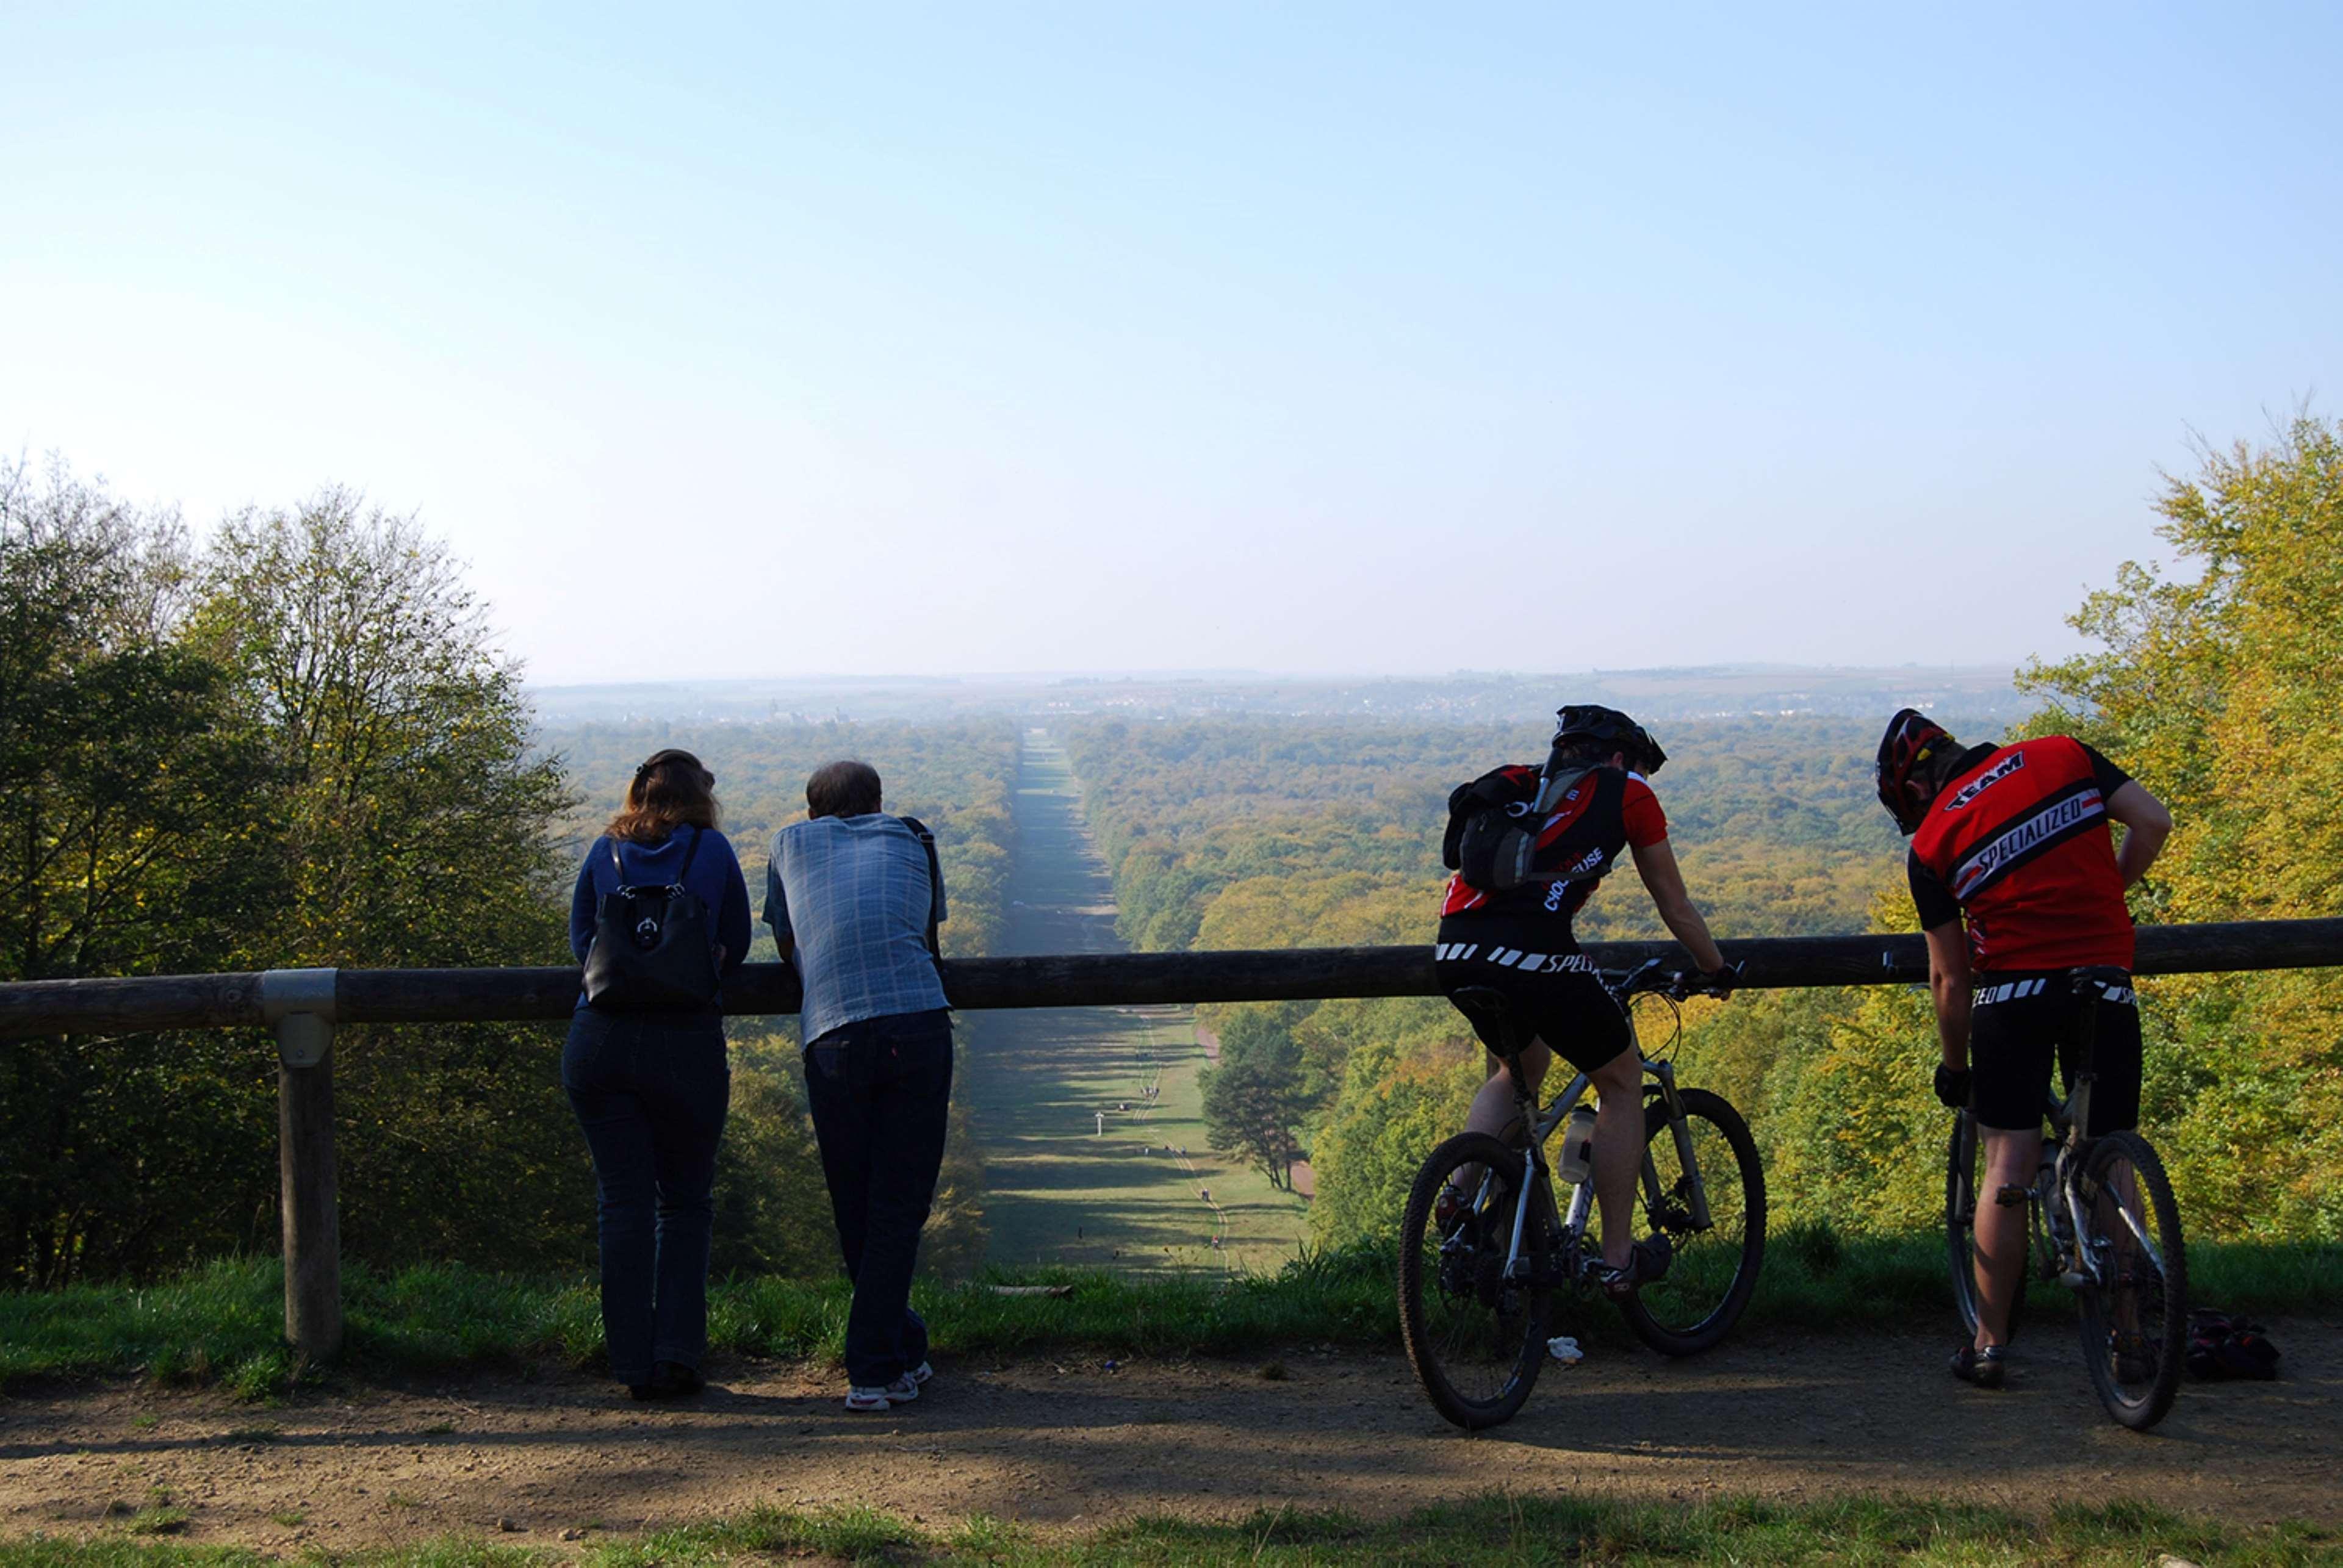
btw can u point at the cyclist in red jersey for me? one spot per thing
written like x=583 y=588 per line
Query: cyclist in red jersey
x=2013 y=842
x=1519 y=942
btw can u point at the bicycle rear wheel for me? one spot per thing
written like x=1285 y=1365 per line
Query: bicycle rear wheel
x=1963 y=1180
x=1712 y=1268
x=1476 y=1340
x=2135 y=1317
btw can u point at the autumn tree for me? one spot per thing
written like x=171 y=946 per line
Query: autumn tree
x=2215 y=686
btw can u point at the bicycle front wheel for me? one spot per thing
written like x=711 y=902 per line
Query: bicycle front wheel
x=1963 y=1180
x=2135 y=1315
x=1713 y=1267
x=1476 y=1338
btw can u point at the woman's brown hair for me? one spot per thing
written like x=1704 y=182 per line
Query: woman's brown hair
x=669 y=790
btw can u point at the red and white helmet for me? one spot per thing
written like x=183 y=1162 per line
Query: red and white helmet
x=1911 y=739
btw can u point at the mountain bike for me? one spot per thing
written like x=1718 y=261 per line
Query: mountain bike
x=2102 y=1222
x=1477 y=1275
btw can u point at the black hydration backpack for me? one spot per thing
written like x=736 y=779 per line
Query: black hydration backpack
x=1493 y=822
x=653 y=948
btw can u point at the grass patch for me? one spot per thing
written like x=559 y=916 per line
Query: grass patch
x=1496 y=1528
x=223 y=1323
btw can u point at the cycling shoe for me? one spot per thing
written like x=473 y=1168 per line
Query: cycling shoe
x=1985 y=1367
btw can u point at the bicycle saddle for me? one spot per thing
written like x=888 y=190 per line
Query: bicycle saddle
x=1490 y=1012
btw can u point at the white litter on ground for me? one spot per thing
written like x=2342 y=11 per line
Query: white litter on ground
x=1564 y=1348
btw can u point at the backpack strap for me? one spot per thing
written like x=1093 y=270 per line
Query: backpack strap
x=935 y=877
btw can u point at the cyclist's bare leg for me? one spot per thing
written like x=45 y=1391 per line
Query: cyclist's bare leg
x=2010 y=1160
x=1618 y=1150
x=1493 y=1108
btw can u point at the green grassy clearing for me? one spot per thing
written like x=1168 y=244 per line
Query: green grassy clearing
x=1058 y=1191
x=222 y=1324
x=1496 y=1528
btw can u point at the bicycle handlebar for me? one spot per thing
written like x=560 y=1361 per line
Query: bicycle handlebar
x=1654 y=975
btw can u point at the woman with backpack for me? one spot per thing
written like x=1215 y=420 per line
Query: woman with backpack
x=659 y=916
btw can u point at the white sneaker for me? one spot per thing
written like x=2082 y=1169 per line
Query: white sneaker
x=921 y=1373
x=902 y=1391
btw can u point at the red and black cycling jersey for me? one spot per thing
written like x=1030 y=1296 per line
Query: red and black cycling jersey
x=2018 y=840
x=1603 y=812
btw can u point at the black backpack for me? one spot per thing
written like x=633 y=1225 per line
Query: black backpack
x=1493 y=822
x=654 y=951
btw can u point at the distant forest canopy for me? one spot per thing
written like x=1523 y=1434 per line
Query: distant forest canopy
x=2216 y=689
x=1464 y=695
x=1775 y=820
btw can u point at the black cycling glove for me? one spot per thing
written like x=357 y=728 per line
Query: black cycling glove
x=1952 y=1086
x=1719 y=982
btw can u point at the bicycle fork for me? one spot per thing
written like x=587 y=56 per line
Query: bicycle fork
x=1680 y=1128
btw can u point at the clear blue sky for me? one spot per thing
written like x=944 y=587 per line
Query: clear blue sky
x=883 y=339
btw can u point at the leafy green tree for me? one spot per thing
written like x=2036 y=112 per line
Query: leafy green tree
x=416 y=824
x=130 y=842
x=1398 y=1102
x=1254 y=1101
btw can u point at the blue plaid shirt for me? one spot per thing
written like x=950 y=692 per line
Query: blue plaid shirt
x=854 y=892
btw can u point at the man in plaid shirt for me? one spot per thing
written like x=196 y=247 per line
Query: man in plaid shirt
x=853 y=897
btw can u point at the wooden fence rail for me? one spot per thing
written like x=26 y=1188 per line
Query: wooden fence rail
x=302 y=1007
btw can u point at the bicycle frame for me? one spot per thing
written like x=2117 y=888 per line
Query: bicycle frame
x=2057 y=1182
x=1541 y=1127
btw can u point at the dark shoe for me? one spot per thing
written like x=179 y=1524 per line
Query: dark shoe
x=1647 y=1263
x=673 y=1380
x=1984 y=1368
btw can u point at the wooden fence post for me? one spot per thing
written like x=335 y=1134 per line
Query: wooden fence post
x=298 y=1004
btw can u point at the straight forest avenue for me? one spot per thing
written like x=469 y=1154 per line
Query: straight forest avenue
x=1083 y=1168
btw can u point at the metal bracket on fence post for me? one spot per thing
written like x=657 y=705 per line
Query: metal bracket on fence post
x=298 y=1005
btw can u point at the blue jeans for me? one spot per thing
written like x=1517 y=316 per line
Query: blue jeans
x=651 y=1091
x=880 y=1091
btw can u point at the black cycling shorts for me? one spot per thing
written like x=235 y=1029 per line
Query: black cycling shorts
x=1541 y=972
x=2020 y=1023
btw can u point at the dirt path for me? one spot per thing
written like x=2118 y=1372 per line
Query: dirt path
x=1072 y=1443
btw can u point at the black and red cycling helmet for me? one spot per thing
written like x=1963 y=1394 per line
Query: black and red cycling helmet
x=1911 y=739
x=1609 y=727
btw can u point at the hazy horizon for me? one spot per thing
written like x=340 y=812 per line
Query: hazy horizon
x=1675 y=694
